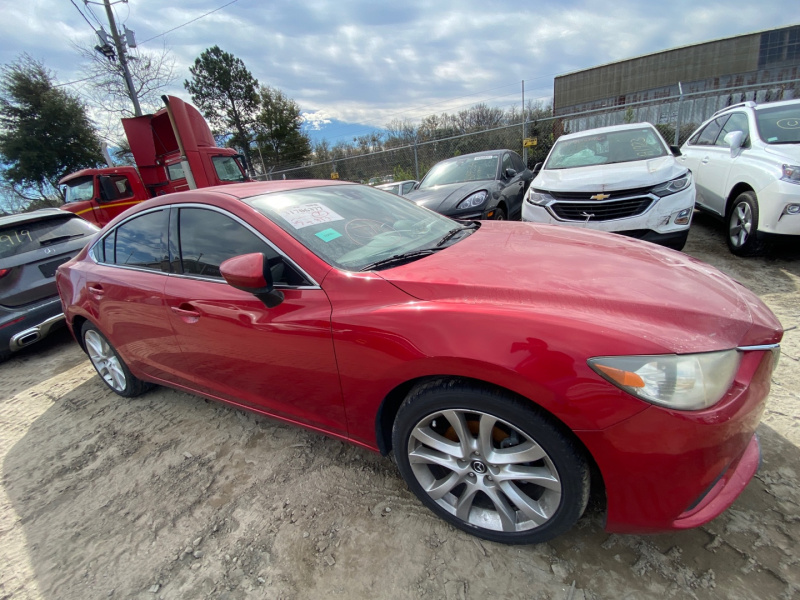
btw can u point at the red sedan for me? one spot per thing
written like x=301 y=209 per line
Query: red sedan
x=504 y=365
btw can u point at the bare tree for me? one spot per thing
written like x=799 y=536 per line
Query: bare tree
x=152 y=73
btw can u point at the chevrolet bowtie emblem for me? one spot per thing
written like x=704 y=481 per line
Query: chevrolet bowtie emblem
x=599 y=196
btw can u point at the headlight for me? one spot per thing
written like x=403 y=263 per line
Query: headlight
x=681 y=382
x=538 y=197
x=791 y=173
x=475 y=200
x=675 y=185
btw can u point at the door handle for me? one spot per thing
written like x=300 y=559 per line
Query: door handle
x=96 y=290
x=705 y=160
x=185 y=313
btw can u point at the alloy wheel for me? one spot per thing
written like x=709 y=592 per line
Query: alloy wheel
x=105 y=360
x=741 y=224
x=484 y=471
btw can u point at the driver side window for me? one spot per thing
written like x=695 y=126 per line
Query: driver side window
x=207 y=238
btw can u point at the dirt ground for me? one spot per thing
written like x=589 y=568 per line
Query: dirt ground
x=172 y=496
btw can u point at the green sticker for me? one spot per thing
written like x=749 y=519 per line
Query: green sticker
x=328 y=235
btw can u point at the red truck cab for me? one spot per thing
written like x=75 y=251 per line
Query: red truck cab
x=174 y=150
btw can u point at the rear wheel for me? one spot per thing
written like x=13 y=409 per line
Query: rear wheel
x=743 y=226
x=492 y=465
x=111 y=368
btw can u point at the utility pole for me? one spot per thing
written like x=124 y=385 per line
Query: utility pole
x=123 y=61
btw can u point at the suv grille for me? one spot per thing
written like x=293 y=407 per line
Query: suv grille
x=601 y=211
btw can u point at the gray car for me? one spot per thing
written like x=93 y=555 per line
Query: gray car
x=481 y=185
x=32 y=246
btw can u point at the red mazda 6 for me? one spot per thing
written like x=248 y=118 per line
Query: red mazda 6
x=504 y=365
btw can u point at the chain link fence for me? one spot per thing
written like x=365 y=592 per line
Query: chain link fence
x=394 y=159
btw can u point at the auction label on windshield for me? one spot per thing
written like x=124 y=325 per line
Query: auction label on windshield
x=306 y=215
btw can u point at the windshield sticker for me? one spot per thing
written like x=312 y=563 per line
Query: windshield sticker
x=484 y=157
x=328 y=235
x=788 y=123
x=306 y=215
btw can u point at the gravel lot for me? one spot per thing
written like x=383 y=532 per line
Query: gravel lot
x=173 y=496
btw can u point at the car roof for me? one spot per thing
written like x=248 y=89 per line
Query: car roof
x=396 y=183
x=483 y=153
x=257 y=188
x=609 y=129
x=37 y=215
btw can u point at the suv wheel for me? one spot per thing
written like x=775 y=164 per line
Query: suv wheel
x=742 y=223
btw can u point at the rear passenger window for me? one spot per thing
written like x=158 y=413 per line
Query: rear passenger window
x=139 y=242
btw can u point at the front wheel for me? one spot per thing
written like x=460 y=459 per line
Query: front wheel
x=499 y=214
x=743 y=226
x=492 y=465
x=108 y=364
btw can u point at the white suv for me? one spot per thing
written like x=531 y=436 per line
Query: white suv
x=622 y=179
x=746 y=165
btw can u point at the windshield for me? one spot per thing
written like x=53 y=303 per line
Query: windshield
x=606 y=148
x=460 y=169
x=227 y=168
x=779 y=125
x=352 y=226
x=79 y=190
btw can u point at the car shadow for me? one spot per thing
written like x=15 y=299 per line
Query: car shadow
x=107 y=493
x=770 y=273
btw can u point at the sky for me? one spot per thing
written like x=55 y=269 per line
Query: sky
x=355 y=65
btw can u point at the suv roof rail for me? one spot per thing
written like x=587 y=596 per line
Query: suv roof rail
x=748 y=104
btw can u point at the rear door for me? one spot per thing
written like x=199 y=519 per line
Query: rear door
x=126 y=293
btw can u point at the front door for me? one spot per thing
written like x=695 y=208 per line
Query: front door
x=279 y=360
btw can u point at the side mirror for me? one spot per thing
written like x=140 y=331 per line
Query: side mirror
x=509 y=173
x=536 y=168
x=251 y=273
x=734 y=140
x=676 y=150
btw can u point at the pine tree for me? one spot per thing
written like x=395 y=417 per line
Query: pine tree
x=45 y=131
x=227 y=95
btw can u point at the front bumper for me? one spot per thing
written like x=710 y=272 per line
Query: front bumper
x=773 y=201
x=658 y=218
x=665 y=470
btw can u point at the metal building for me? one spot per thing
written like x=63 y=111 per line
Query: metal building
x=696 y=79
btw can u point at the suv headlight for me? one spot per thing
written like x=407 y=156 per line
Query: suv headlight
x=538 y=197
x=675 y=185
x=475 y=200
x=791 y=173
x=677 y=381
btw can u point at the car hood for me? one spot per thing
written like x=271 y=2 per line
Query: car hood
x=624 y=286
x=616 y=176
x=443 y=198
x=787 y=152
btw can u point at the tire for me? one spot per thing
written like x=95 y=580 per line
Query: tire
x=108 y=364
x=453 y=444
x=742 y=226
x=499 y=214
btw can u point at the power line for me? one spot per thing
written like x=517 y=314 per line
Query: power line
x=80 y=80
x=187 y=22
x=88 y=22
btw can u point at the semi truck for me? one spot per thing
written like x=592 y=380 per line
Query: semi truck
x=174 y=150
